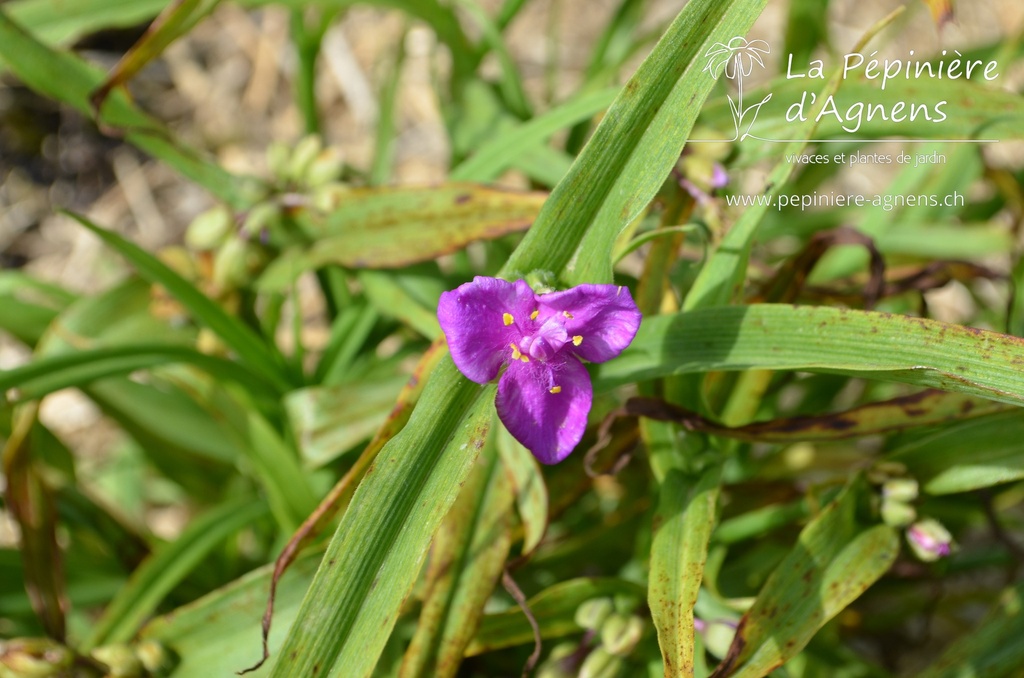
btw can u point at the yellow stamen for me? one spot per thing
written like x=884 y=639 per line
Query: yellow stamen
x=533 y=316
x=507 y=319
x=555 y=389
x=567 y=314
x=524 y=358
x=516 y=355
x=577 y=340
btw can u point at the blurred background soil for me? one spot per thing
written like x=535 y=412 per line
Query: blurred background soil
x=227 y=89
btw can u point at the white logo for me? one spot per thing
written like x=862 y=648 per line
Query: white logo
x=737 y=60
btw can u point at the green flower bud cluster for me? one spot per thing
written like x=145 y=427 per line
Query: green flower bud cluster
x=898 y=493
x=240 y=246
x=615 y=628
x=45 y=658
x=237 y=252
x=309 y=169
x=927 y=537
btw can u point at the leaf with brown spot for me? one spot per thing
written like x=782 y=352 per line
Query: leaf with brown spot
x=904 y=349
x=927 y=408
x=682 y=529
x=836 y=558
x=392 y=227
x=467 y=559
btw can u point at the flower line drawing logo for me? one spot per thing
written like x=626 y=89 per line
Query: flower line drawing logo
x=736 y=59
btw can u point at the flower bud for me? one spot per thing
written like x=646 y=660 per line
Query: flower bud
x=897 y=514
x=235 y=264
x=621 y=633
x=278 y=154
x=35 y=658
x=120 y=660
x=900 y=489
x=325 y=168
x=929 y=540
x=601 y=664
x=211 y=228
x=302 y=157
x=592 y=614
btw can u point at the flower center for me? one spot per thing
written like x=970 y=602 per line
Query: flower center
x=548 y=340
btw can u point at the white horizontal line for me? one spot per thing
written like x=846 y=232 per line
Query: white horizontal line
x=852 y=141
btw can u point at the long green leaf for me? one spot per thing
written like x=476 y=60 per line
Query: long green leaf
x=531 y=492
x=683 y=525
x=467 y=560
x=496 y=155
x=413 y=470
x=46 y=375
x=820 y=339
x=60 y=21
x=375 y=556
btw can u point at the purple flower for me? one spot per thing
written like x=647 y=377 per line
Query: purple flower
x=544 y=395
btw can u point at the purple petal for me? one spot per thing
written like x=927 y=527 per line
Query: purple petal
x=473 y=320
x=719 y=177
x=604 y=318
x=548 y=424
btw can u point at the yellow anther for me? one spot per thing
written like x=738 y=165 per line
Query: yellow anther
x=555 y=389
x=533 y=316
x=507 y=319
x=518 y=355
x=577 y=340
x=567 y=314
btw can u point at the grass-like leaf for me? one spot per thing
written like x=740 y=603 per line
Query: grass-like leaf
x=261 y=358
x=821 y=339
